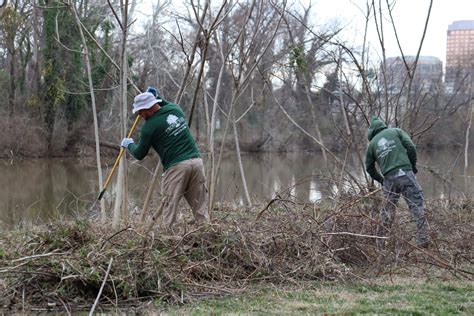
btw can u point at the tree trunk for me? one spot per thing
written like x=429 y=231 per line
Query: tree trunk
x=121 y=199
x=466 y=146
x=118 y=196
x=149 y=193
x=211 y=145
x=11 y=92
x=241 y=167
x=94 y=110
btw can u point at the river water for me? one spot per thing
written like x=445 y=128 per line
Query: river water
x=35 y=190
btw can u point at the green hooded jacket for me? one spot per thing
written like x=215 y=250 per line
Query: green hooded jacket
x=168 y=133
x=391 y=148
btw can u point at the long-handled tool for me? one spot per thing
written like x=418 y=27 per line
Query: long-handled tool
x=122 y=151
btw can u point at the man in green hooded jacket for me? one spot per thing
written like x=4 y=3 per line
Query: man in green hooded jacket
x=395 y=154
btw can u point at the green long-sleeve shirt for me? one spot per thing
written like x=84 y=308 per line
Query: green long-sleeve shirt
x=168 y=133
x=391 y=148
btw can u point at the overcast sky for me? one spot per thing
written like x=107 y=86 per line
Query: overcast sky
x=409 y=16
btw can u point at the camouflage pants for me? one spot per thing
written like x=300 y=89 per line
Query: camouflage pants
x=403 y=183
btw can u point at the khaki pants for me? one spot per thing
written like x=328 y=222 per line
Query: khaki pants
x=186 y=179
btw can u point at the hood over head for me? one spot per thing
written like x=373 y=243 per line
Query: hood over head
x=376 y=125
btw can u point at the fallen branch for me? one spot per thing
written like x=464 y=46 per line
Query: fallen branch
x=101 y=287
x=39 y=256
x=353 y=234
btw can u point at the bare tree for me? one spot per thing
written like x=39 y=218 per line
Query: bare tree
x=248 y=50
x=121 y=201
x=85 y=52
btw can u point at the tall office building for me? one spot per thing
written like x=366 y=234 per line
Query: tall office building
x=428 y=74
x=460 y=56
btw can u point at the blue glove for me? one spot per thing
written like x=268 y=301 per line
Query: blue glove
x=126 y=142
x=154 y=91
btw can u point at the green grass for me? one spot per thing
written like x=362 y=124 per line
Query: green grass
x=403 y=297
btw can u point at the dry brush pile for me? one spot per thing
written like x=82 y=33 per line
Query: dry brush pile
x=68 y=265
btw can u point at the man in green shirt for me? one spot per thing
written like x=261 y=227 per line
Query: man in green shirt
x=166 y=130
x=395 y=154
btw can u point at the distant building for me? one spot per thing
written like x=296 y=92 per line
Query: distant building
x=428 y=74
x=459 y=55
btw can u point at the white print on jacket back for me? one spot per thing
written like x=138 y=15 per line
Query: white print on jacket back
x=384 y=147
x=176 y=125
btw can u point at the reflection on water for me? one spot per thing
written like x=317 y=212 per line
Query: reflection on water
x=314 y=193
x=35 y=190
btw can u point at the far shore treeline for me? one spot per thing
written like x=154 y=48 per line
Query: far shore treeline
x=258 y=76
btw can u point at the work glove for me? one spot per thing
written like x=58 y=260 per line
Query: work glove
x=415 y=171
x=126 y=142
x=153 y=91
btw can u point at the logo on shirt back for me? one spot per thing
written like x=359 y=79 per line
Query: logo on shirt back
x=171 y=119
x=176 y=124
x=384 y=147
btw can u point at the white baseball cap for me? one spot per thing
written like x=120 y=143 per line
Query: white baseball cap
x=144 y=101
